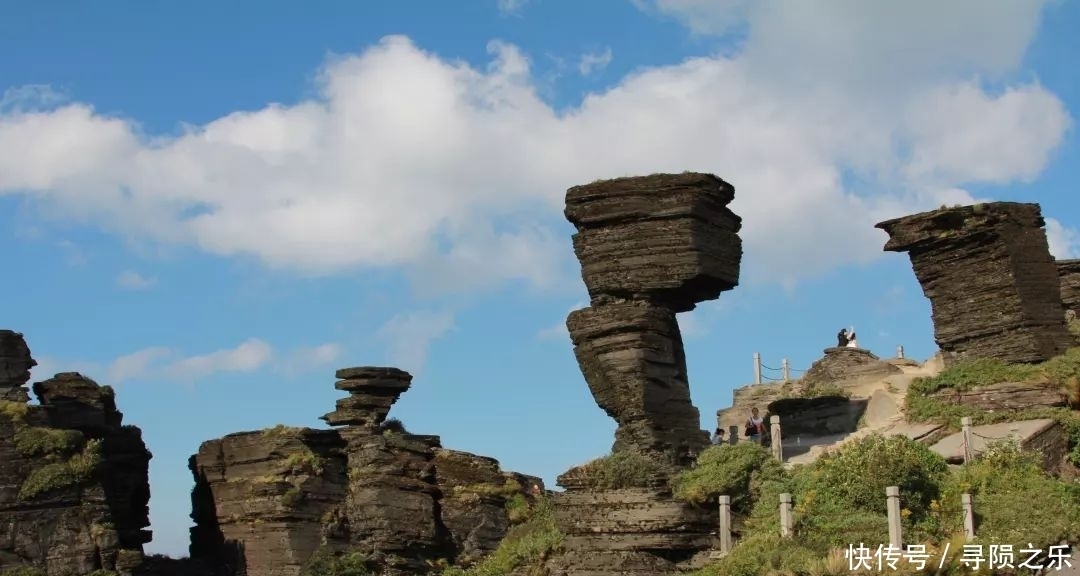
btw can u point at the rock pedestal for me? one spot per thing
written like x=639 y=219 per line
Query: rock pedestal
x=74 y=488
x=994 y=289
x=650 y=247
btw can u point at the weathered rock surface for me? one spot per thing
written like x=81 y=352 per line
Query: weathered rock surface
x=267 y=502
x=73 y=481
x=632 y=357
x=1006 y=396
x=1069 y=273
x=1043 y=435
x=668 y=238
x=994 y=289
x=842 y=367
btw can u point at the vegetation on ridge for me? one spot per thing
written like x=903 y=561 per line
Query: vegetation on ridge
x=526 y=545
x=76 y=470
x=623 y=469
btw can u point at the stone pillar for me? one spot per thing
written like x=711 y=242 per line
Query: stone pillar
x=969 y=516
x=733 y=434
x=993 y=286
x=965 y=423
x=785 y=515
x=725 y=524
x=15 y=365
x=777 y=441
x=892 y=494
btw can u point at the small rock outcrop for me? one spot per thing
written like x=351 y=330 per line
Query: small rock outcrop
x=649 y=247
x=994 y=289
x=74 y=488
x=1069 y=273
x=268 y=503
x=843 y=367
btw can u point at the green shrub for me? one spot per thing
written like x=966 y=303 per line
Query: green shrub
x=35 y=440
x=761 y=554
x=292 y=497
x=15 y=411
x=303 y=461
x=325 y=563
x=973 y=373
x=76 y=470
x=625 y=469
x=22 y=570
x=735 y=470
x=393 y=426
x=525 y=545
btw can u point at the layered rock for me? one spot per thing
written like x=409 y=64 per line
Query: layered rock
x=840 y=368
x=15 y=365
x=270 y=502
x=649 y=247
x=994 y=289
x=1069 y=273
x=1006 y=396
x=73 y=480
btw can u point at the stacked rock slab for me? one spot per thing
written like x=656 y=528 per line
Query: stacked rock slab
x=992 y=284
x=269 y=503
x=649 y=247
x=73 y=481
x=1069 y=273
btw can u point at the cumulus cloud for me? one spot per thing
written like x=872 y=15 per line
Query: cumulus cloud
x=132 y=280
x=1064 y=242
x=594 y=61
x=558 y=330
x=457 y=173
x=408 y=337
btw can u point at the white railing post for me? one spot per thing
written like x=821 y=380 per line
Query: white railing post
x=969 y=516
x=777 y=445
x=757 y=368
x=892 y=495
x=725 y=524
x=965 y=424
x=900 y=352
x=786 y=369
x=785 y=515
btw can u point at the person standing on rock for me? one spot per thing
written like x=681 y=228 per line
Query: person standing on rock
x=842 y=338
x=755 y=426
x=852 y=341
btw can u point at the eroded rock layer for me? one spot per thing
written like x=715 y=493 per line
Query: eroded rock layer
x=1069 y=273
x=73 y=480
x=669 y=238
x=268 y=503
x=992 y=284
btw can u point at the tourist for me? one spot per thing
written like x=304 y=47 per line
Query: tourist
x=755 y=426
x=718 y=437
x=852 y=341
x=842 y=338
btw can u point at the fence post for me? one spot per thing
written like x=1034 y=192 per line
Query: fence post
x=725 y=524
x=757 y=368
x=965 y=422
x=777 y=445
x=892 y=495
x=969 y=516
x=733 y=434
x=786 y=370
x=785 y=515
x=900 y=352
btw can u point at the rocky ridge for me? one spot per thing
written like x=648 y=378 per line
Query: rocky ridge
x=994 y=289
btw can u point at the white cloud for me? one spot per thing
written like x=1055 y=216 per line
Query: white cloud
x=308 y=358
x=458 y=173
x=594 y=61
x=1064 y=242
x=132 y=280
x=408 y=337
x=249 y=356
x=511 y=6
x=137 y=364
x=691 y=326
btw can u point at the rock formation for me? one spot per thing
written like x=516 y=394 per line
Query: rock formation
x=649 y=247
x=1069 y=273
x=73 y=480
x=267 y=503
x=992 y=284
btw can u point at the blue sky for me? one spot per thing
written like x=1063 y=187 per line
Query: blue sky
x=214 y=206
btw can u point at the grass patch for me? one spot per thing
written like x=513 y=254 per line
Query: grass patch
x=325 y=563
x=15 y=411
x=626 y=469
x=292 y=497
x=22 y=571
x=392 y=426
x=76 y=470
x=303 y=461
x=36 y=440
x=526 y=545
x=281 y=431
x=737 y=470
